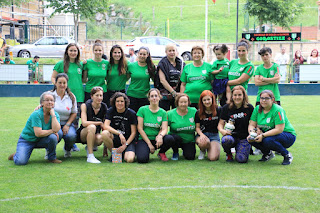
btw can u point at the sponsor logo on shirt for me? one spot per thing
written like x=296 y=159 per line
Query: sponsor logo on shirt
x=238 y=115
x=234 y=73
x=197 y=78
x=268 y=120
x=104 y=66
x=264 y=127
x=271 y=72
x=191 y=120
x=159 y=118
x=152 y=125
x=185 y=128
x=79 y=70
x=204 y=71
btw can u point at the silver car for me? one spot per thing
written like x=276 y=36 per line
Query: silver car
x=49 y=46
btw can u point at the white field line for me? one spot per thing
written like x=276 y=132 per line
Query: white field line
x=163 y=188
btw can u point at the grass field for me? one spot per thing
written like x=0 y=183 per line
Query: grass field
x=182 y=186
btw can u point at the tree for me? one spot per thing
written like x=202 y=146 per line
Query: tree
x=280 y=12
x=10 y=2
x=87 y=8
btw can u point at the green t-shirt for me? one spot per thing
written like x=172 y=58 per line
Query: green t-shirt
x=268 y=73
x=140 y=81
x=275 y=116
x=36 y=119
x=184 y=126
x=236 y=70
x=97 y=73
x=197 y=79
x=221 y=63
x=75 y=78
x=32 y=66
x=151 y=121
x=114 y=80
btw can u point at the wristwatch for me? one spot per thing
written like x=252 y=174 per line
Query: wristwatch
x=127 y=144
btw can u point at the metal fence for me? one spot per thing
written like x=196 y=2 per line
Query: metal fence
x=35 y=32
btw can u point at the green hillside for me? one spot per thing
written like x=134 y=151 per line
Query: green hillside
x=187 y=19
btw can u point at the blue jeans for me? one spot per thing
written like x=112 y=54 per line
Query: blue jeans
x=277 y=143
x=69 y=138
x=242 y=147
x=25 y=148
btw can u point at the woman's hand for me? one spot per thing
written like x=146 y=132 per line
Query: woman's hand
x=122 y=139
x=225 y=132
x=259 y=138
x=38 y=107
x=203 y=140
x=159 y=141
x=84 y=62
x=152 y=149
x=65 y=129
x=250 y=140
x=121 y=148
x=57 y=135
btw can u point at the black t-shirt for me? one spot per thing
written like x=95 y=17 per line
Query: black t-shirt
x=122 y=121
x=241 y=117
x=209 y=123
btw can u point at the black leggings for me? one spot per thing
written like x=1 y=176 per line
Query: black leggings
x=189 y=149
x=143 y=151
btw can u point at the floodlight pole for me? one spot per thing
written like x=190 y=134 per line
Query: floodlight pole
x=237 y=26
x=206 y=33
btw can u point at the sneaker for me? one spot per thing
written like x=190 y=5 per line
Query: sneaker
x=11 y=156
x=175 y=156
x=257 y=152
x=287 y=159
x=267 y=157
x=46 y=156
x=55 y=161
x=92 y=159
x=163 y=156
x=229 y=158
x=67 y=154
x=201 y=155
x=233 y=150
x=95 y=148
x=75 y=148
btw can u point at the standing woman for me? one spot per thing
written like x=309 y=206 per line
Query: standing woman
x=41 y=131
x=275 y=132
x=182 y=128
x=239 y=110
x=121 y=124
x=72 y=66
x=153 y=127
x=140 y=72
x=117 y=72
x=96 y=71
x=297 y=60
x=314 y=57
x=167 y=79
x=241 y=69
x=93 y=114
x=196 y=76
x=207 y=119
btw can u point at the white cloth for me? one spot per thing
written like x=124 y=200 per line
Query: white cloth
x=282 y=58
x=312 y=60
x=132 y=58
x=64 y=107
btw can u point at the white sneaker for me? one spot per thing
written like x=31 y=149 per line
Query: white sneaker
x=201 y=155
x=257 y=152
x=46 y=156
x=92 y=159
x=233 y=150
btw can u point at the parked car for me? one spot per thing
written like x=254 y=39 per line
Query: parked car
x=48 y=46
x=156 y=46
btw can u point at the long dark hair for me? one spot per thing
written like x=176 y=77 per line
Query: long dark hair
x=150 y=65
x=63 y=75
x=122 y=66
x=66 y=58
x=244 y=42
x=202 y=108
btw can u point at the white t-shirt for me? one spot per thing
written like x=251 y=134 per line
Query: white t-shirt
x=282 y=58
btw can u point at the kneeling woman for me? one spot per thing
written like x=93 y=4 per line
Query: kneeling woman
x=93 y=114
x=238 y=111
x=121 y=124
x=182 y=128
x=207 y=119
x=275 y=132
x=152 y=126
x=41 y=131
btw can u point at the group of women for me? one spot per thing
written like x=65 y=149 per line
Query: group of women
x=113 y=116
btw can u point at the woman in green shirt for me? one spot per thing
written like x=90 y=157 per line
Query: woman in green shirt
x=153 y=127
x=274 y=131
x=196 y=77
x=140 y=73
x=96 y=71
x=182 y=128
x=117 y=72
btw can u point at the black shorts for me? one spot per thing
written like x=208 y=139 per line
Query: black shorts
x=117 y=143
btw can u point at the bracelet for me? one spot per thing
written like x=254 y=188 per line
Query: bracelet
x=68 y=124
x=119 y=133
x=53 y=116
x=161 y=135
x=263 y=136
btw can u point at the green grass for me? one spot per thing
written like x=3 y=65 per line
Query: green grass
x=74 y=174
x=190 y=23
x=42 y=60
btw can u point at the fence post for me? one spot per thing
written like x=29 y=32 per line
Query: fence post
x=165 y=29
x=210 y=31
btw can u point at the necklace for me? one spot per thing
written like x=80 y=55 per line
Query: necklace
x=96 y=107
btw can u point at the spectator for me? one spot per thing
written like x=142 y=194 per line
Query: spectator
x=297 y=60
x=7 y=60
x=3 y=45
x=314 y=59
x=282 y=59
x=133 y=56
x=33 y=69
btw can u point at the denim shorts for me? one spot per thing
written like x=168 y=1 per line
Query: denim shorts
x=212 y=136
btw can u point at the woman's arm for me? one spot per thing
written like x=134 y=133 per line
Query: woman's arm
x=163 y=131
x=258 y=81
x=133 y=133
x=42 y=133
x=55 y=125
x=274 y=80
x=243 y=78
x=164 y=82
x=221 y=128
x=84 y=76
x=142 y=132
x=53 y=76
x=107 y=126
x=84 y=120
x=276 y=131
x=183 y=87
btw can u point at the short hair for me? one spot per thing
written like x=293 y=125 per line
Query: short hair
x=46 y=93
x=170 y=45
x=131 y=49
x=197 y=48
x=118 y=95
x=180 y=95
x=244 y=42
x=154 y=89
x=245 y=101
x=222 y=47
x=96 y=89
x=271 y=95
x=7 y=59
x=35 y=57
x=265 y=50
